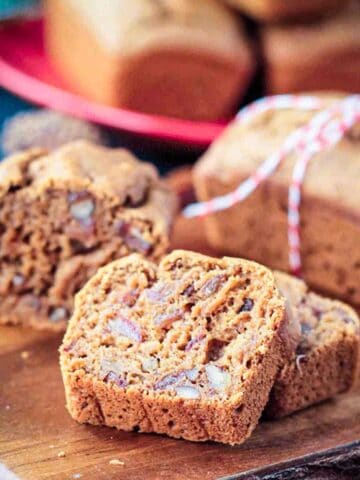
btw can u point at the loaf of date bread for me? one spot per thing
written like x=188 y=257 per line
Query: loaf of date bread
x=283 y=10
x=327 y=357
x=189 y=348
x=181 y=58
x=64 y=214
x=257 y=227
x=323 y=55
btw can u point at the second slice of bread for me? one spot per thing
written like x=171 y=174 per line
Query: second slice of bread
x=327 y=357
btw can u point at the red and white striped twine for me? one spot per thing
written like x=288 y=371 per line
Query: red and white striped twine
x=323 y=131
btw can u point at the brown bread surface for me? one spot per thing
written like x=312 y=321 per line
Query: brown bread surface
x=327 y=358
x=323 y=55
x=177 y=58
x=257 y=227
x=64 y=214
x=189 y=348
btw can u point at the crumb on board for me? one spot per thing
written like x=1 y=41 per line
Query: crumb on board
x=7 y=407
x=61 y=454
x=77 y=475
x=116 y=461
x=25 y=354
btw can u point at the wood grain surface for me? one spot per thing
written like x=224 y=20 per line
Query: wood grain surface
x=38 y=439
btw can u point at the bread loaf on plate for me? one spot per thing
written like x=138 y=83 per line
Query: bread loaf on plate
x=323 y=55
x=178 y=58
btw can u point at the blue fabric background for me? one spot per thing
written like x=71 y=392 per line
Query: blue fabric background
x=9 y=105
x=8 y=8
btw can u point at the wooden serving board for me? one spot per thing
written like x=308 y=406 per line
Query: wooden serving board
x=38 y=439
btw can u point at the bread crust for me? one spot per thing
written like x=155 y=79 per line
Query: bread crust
x=327 y=359
x=192 y=77
x=306 y=57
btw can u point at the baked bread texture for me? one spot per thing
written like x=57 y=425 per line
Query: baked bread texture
x=282 y=10
x=64 y=214
x=323 y=55
x=189 y=348
x=180 y=58
x=256 y=228
x=327 y=357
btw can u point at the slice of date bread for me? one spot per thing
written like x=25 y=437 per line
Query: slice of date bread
x=189 y=348
x=64 y=214
x=328 y=354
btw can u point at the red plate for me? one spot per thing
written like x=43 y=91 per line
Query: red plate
x=26 y=71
